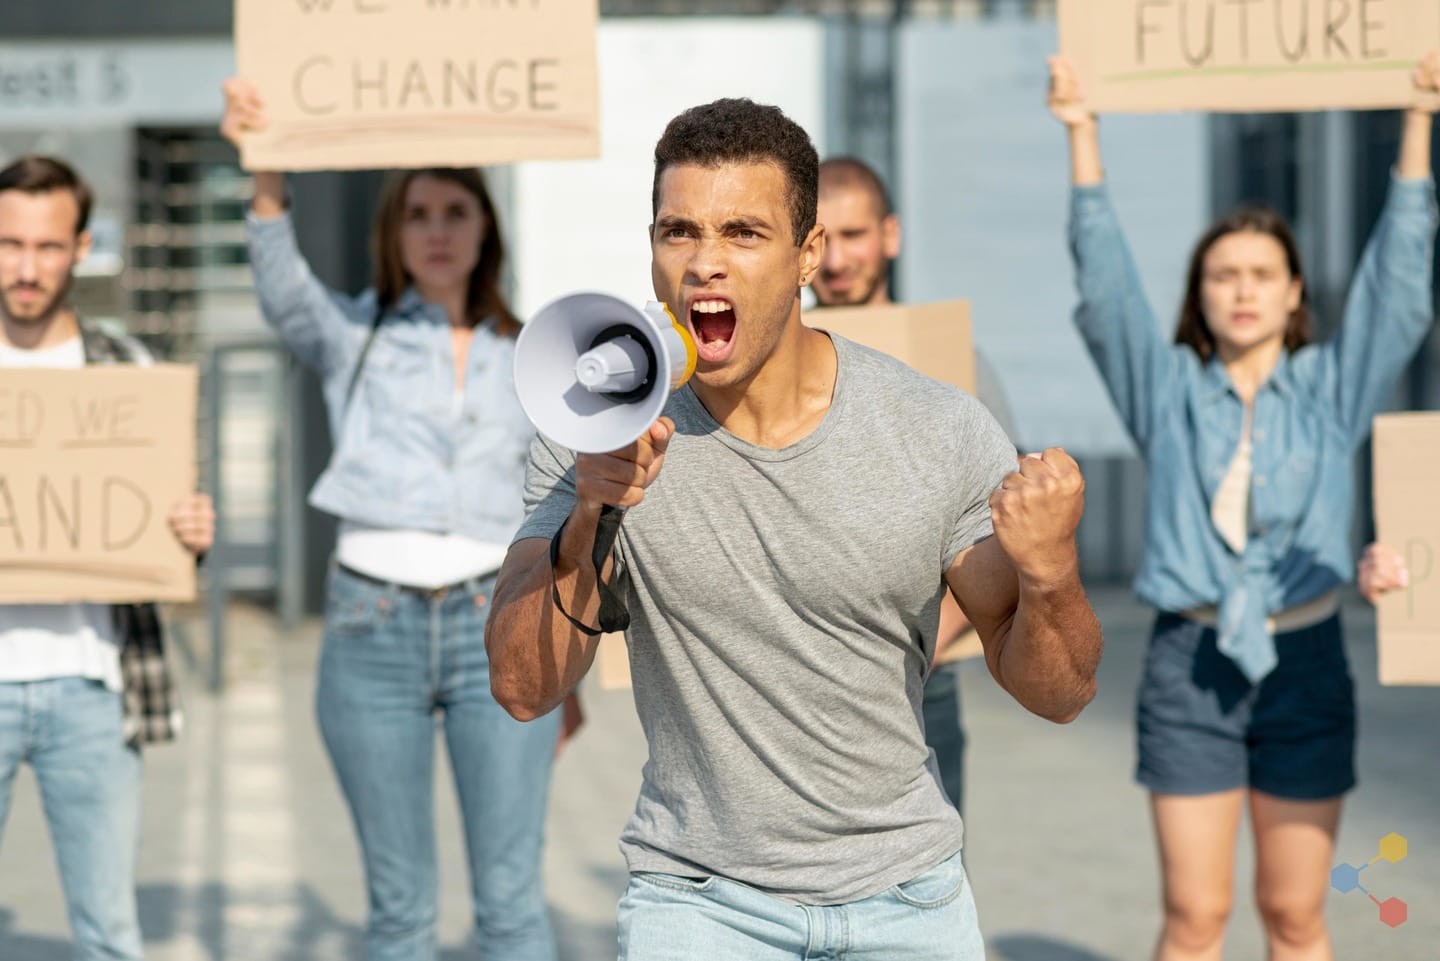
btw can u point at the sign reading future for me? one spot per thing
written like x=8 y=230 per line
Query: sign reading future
x=91 y=463
x=417 y=83
x=1247 y=55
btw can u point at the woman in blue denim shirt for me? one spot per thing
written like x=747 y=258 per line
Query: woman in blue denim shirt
x=426 y=478
x=1249 y=432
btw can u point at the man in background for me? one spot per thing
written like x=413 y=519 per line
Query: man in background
x=81 y=685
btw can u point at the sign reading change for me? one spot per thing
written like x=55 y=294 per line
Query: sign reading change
x=353 y=84
x=1247 y=55
x=91 y=463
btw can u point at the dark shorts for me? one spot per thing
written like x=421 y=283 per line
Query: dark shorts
x=1203 y=728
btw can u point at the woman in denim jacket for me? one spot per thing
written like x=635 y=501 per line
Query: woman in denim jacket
x=1249 y=432
x=426 y=478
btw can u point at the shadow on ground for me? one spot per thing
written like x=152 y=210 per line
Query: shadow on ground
x=316 y=932
x=1038 y=947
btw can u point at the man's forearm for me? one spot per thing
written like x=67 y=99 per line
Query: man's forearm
x=1052 y=649
x=537 y=656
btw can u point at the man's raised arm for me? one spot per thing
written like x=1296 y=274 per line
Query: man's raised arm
x=1022 y=590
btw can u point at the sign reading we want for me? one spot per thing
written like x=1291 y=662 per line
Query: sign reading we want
x=1247 y=55
x=353 y=84
x=91 y=463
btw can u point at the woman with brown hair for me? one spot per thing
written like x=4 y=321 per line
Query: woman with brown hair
x=430 y=445
x=1249 y=433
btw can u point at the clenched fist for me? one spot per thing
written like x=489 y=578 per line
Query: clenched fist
x=1066 y=98
x=244 y=110
x=1426 y=78
x=619 y=478
x=1036 y=511
x=1382 y=570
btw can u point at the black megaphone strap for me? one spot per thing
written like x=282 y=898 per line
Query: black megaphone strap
x=614 y=616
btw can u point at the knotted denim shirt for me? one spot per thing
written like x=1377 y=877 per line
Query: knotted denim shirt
x=402 y=459
x=1310 y=416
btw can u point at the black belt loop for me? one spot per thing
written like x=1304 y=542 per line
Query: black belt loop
x=614 y=616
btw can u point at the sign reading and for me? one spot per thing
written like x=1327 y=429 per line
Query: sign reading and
x=91 y=463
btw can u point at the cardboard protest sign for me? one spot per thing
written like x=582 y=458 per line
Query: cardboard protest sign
x=1407 y=518
x=934 y=339
x=613 y=659
x=419 y=83
x=91 y=463
x=1247 y=55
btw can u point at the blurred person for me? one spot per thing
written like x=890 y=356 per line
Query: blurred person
x=1249 y=432
x=862 y=242
x=82 y=686
x=792 y=523
x=426 y=478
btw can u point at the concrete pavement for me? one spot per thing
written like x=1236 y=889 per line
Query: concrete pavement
x=248 y=851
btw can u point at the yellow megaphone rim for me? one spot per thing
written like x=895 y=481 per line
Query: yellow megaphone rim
x=692 y=356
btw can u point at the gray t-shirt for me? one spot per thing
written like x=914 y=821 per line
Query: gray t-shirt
x=784 y=605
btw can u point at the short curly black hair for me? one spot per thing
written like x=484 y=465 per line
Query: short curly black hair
x=738 y=130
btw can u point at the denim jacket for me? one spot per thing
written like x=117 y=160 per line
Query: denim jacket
x=1310 y=416
x=401 y=459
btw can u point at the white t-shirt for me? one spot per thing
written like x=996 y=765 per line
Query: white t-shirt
x=43 y=641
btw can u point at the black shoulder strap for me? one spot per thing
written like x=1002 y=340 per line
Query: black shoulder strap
x=364 y=352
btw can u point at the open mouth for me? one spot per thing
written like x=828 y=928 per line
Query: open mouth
x=713 y=321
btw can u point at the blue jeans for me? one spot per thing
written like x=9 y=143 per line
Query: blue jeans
x=667 y=918
x=395 y=664
x=945 y=730
x=69 y=731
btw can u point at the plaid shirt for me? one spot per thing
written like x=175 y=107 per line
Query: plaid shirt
x=152 y=711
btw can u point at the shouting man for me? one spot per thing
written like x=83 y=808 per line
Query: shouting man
x=793 y=522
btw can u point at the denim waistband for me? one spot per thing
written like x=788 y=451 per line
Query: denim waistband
x=470 y=585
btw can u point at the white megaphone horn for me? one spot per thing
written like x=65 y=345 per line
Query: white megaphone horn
x=593 y=372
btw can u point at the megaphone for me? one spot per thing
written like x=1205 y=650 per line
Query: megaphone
x=594 y=372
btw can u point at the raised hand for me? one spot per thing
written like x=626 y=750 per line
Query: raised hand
x=244 y=110
x=1036 y=512
x=1066 y=98
x=1426 y=78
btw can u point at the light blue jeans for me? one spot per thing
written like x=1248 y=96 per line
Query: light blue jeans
x=69 y=731
x=667 y=918
x=394 y=666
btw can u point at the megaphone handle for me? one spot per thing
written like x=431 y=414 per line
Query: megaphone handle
x=614 y=616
